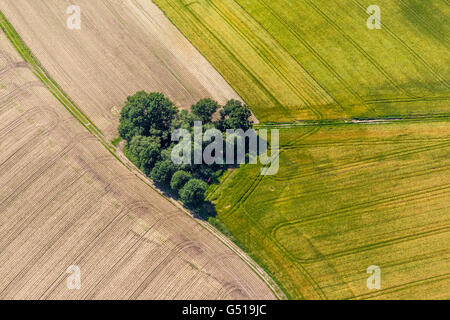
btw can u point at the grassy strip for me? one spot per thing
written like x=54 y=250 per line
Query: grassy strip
x=115 y=142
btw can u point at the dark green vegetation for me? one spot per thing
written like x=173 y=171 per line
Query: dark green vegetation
x=348 y=195
x=146 y=124
x=193 y=192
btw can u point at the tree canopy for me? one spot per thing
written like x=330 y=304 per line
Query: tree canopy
x=144 y=152
x=204 y=109
x=193 y=192
x=145 y=114
x=162 y=172
x=235 y=115
x=179 y=179
x=147 y=121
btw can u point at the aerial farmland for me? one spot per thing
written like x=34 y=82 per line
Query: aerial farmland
x=354 y=97
x=68 y=199
x=352 y=191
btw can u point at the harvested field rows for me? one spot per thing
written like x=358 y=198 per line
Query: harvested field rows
x=122 y=47
x=306 y=59
x=65 y=200
x=347 y=197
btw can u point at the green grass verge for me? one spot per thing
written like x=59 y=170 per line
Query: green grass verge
x=115 y=142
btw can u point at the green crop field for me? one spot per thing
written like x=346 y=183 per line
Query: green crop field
x=308 y=59
x=348 y=195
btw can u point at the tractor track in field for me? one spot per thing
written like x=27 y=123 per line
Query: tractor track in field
x=95 y=133
x=323 y=190
x=411 y=284
x=236 y=59
x=357 y=47
x=367 y=206
x=310 y=48
x=354 y=164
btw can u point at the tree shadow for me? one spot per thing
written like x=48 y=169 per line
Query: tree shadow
x=205 y=211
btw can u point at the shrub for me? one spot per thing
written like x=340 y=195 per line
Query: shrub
x=162 y=172
x=204 y=109
x=193 y=192
x=179 y=179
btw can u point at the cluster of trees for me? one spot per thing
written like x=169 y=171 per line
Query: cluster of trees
x=146 y=123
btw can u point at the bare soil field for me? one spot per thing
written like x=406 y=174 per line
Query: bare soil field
x=123 y=46
x=65 y=200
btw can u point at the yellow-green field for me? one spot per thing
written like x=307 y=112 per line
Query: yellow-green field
x=309 y=59
x=347 y=197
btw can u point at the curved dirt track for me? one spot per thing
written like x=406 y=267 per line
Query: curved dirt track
x=123 y=46
x=65 y=200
